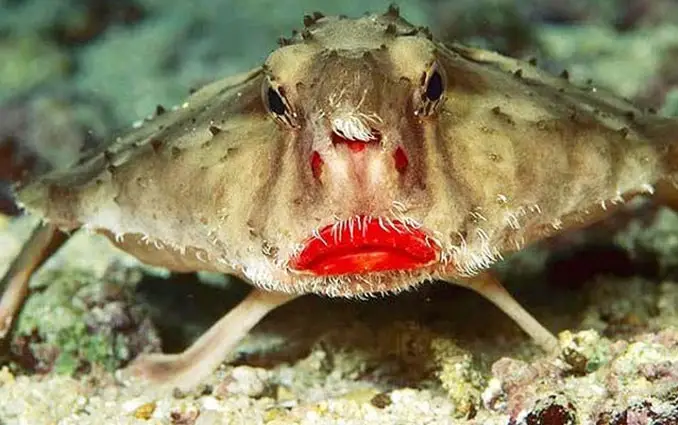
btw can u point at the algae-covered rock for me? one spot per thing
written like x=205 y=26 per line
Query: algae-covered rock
x=584 y=351
x=76 y=319
x=593 y=380
x=459 y=376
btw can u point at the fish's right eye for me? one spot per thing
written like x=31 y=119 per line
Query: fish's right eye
x=277 y=104
x=275 y=101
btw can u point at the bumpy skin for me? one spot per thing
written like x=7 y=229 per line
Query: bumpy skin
x=508 y=156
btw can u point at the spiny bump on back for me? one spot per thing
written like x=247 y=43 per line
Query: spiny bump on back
x=393 y=11
x=310 y=20
x=426 y=32
x=394 y=25
x=284 y=41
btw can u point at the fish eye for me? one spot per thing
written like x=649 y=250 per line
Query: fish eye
x=431 y=91
x=434 y=86
x=275 y=102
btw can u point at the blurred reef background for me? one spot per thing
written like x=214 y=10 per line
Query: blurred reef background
x=74 y=73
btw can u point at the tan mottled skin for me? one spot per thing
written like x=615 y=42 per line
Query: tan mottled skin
x=509 y=156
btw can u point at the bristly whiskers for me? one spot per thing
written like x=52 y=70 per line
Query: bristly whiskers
x=398 y=223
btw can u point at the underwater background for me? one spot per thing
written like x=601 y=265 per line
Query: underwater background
x=74 y=73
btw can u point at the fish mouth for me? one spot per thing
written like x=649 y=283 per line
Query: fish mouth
x=365 y=245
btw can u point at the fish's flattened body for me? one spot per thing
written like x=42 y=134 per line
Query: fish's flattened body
x=511 y=154
x=174 y=174
x=534 y=154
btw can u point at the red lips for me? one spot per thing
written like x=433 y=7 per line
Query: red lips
x=370 y=246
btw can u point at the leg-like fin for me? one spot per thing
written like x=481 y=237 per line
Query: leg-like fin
x=489 y=287
x=187 y=369
x=44 y=241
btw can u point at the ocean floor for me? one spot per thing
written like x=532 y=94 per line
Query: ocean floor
x=438 y=355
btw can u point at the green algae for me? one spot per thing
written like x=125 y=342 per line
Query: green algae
x=75 y=319
x=585 y=351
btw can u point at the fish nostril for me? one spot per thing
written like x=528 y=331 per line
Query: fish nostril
x=355 y=145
